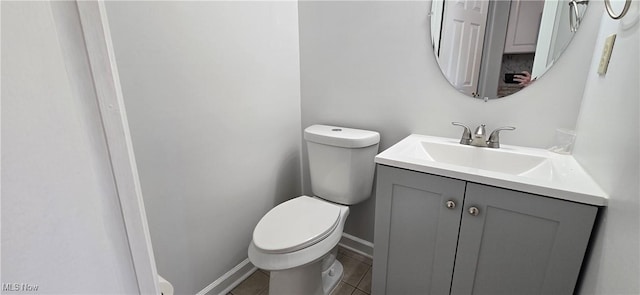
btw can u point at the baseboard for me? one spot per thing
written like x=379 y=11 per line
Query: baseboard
x=357 y=245
x=224 y=284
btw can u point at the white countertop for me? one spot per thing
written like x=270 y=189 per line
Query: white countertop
x=560 y=176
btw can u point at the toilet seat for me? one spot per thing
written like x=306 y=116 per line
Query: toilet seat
x=296 y=224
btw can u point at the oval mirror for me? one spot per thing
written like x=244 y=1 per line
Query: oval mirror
x=491 y=49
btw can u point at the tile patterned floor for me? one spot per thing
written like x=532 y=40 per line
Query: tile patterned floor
x=356 y=280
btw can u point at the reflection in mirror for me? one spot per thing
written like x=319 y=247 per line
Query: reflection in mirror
x=491 y=49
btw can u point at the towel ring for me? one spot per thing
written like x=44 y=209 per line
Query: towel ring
x=612 y=14
x=574 y=14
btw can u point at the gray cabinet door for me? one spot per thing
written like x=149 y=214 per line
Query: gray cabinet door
x=415 y=233
x=520 y=243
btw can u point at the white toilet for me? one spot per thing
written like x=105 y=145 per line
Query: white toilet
x=297 y=240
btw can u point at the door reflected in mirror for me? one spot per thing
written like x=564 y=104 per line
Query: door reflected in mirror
x=491 y=49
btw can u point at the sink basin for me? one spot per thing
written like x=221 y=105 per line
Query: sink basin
x=504 y=161
x=531 y=170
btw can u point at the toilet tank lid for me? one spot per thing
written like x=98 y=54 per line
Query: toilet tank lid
x=341 y=136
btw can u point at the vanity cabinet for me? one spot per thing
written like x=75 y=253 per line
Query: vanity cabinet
x=438 y=235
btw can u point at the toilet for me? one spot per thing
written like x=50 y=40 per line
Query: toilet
x=297 y=240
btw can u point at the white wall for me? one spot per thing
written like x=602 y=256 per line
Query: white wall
x=608 y=147
x=62 y=228
x=369 y=64
x=213 y=102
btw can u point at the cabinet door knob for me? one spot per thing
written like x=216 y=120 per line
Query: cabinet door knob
x=474 y=211
x=451 y=204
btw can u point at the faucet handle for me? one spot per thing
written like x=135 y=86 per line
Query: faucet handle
x=494 y=138
x=466 y=134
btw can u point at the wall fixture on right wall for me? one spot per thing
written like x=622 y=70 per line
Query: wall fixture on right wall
x=606 y=54
x=613 y=12
x=617 y=11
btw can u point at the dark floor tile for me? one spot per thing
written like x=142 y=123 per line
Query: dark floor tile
x=359 y=292
x=354 y=270
x=365 y=283
x=343 y=289
x=252 y=285
x=354 y=255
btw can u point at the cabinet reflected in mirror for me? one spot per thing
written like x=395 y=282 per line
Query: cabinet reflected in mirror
x=495 y=48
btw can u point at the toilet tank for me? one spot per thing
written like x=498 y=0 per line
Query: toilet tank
x=341 y=162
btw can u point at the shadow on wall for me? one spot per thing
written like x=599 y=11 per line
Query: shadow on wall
x=591 y=254
x=360 y=216
x=289 y=169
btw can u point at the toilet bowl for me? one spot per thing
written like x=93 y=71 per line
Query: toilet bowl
x=301 y=250
x=297 y=240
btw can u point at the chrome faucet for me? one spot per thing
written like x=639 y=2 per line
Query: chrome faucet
x=466 y=134
x=494 y=138
x=479 y=137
